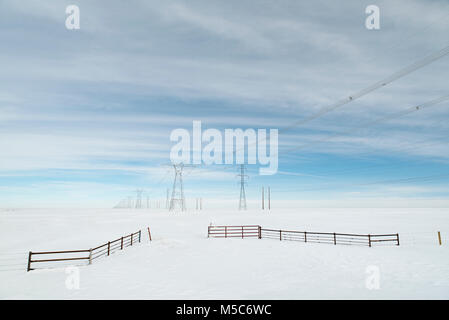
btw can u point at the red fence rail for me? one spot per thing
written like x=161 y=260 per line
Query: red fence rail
x=91 y=254
x=252 y=231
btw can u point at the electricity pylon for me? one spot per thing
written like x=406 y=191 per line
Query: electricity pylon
x=243 y=176
x=177 y=196
x=167 y=200
x=139 y=198
x=130 y=202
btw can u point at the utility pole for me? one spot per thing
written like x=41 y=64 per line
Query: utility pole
x=263 y=199
x=269 y=198
x=243 y=176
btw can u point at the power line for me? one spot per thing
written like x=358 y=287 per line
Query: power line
x=382 y=83
x=375 y=122
x=388 y=117
x=340 y=103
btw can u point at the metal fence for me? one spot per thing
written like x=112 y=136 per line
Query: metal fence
x=87 y=255
x=255 y=231
x=249 y=231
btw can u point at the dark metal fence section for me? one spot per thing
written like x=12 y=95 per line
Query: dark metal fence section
x=115 y=245
x=249 y=231
x=88 y=254
x=302 y=236
x=384 y=238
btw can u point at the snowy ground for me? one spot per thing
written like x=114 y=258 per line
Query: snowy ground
x=181 y=263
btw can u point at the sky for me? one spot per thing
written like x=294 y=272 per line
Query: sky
x=86 y=115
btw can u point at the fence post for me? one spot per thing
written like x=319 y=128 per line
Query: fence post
x=259 y=231
x=369 y=240
x=335 y=239
x=208 y=231
x=149 y=233
x=29 y=261
x=109 y=246
x=439 y=238
x=90 y=256
x=397 y=237
x=139 y=235
x=280 y=235
x=121 y=243
x=305 y=236
x=226 y=232
x=131 y=239
x=242 y=232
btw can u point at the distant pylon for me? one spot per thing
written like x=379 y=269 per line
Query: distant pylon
x=130 y=202
x=121 y=204
x=167 y=200
x=243 y=176
x=139 y=198
x=177 y=195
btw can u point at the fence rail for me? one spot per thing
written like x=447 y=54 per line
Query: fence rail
x=249 y=231
x=91 y=254
x=252 y=231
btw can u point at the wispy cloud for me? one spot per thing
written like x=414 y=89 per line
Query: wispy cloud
x=107 y=96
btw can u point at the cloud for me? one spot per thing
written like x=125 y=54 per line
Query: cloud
x=108 y=96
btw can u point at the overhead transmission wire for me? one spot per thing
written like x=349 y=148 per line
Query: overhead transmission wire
x=388 y=117
x=371 y=88
x=395 y=76
x=379 y=84
x=374 y=122
x=404 y=146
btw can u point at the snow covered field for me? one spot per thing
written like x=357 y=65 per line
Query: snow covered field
x=181 y=263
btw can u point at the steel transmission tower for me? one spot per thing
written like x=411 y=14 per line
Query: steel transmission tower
x=177 y=196
x=167 y=200
x=243 y=176
x=139 y=198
